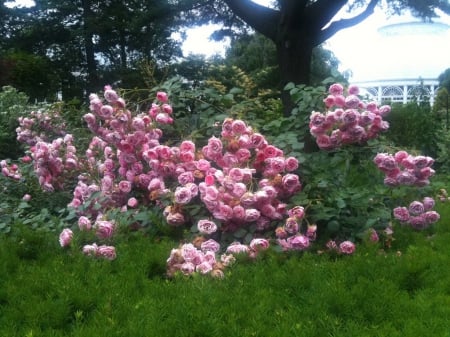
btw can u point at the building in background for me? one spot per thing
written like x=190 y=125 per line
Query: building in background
x=397 y=59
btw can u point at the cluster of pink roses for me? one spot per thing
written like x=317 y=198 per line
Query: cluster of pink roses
x=200 y=256
x=405 y=169
x=240 y=178
x=10 y=170
x=352 y=121
x=54 y=161
x=104 y=230
x=290 y=236
x=40 y=126
x=345 y=247
x=419 y=215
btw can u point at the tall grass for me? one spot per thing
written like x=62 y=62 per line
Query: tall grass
x=404 y=291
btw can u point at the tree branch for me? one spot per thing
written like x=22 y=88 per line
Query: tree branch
x=336 y=26
x=263 y=19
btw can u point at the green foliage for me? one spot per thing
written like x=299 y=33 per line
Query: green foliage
x=403 y=291
x=31 y=74
x=413 y=126
x=44 y=211
x=12 y=105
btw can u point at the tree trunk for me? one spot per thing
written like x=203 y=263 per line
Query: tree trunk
x=294 y=59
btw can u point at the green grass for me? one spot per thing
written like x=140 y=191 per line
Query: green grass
x=48 y=291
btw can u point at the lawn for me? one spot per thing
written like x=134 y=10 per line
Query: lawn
x=401 y=291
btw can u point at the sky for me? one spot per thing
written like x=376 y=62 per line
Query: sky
x=363 y=49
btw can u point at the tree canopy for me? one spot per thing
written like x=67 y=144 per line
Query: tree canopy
x=296 y=27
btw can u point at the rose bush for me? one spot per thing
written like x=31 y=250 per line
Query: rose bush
x=235 y=191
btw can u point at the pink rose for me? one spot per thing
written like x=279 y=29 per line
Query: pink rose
x=431 y=217
x=206 y=226
x=291 y=182
x=291 y=164
x=428 y=203
x=238 y=126
x=108 y=252
x=336 y=89
x=401 y=214
x=105 y=229
x=182 y=195
x=298 y=242
x=125 y=186
x=416 y=208
x=353 y=89
x=189 y=252
x=239 y=213
x=162 y=96
x=90 y=250
x=65 y=238
x=237 y=248
x=215 y=145
x=252 y=214
x=223 y=212
x=418 y=222
x=347 y=247
x=203 y=268
x=187 y=268
x=236 y=174
x=84 y=223
x=26 y=197
x=175 y=219
x=324 y=142
x=297 y=212
x=210 y=245
x=259 y=244
x=291 y=226
x=132 y=202
x=352 y=101
x=281 y=233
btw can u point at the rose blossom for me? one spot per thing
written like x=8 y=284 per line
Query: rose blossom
x=347 y=247
x=108 y=252
x=187 y=268
x=431 y=216
x=182 y=195
x=210 y=245
x=65 y=238
x=105 y=229
x=132 y=202
x=206 y=226
x=125 y=186
x=84 y=223
x=291 y=164
x=90 y=250
x=203 y=268
x=401 y=214
x=259 y=244
x=175 y=219
x=162 y=96
x=291 y=225
x=336 y=89
x=416 y=208
x=252 y=214
x=297 y=212
x=428 y=203
x=298 y=242
x=237 y=248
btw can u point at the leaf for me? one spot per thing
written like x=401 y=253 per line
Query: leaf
x=236 y=91
x=340 y=203
x=240 y=233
